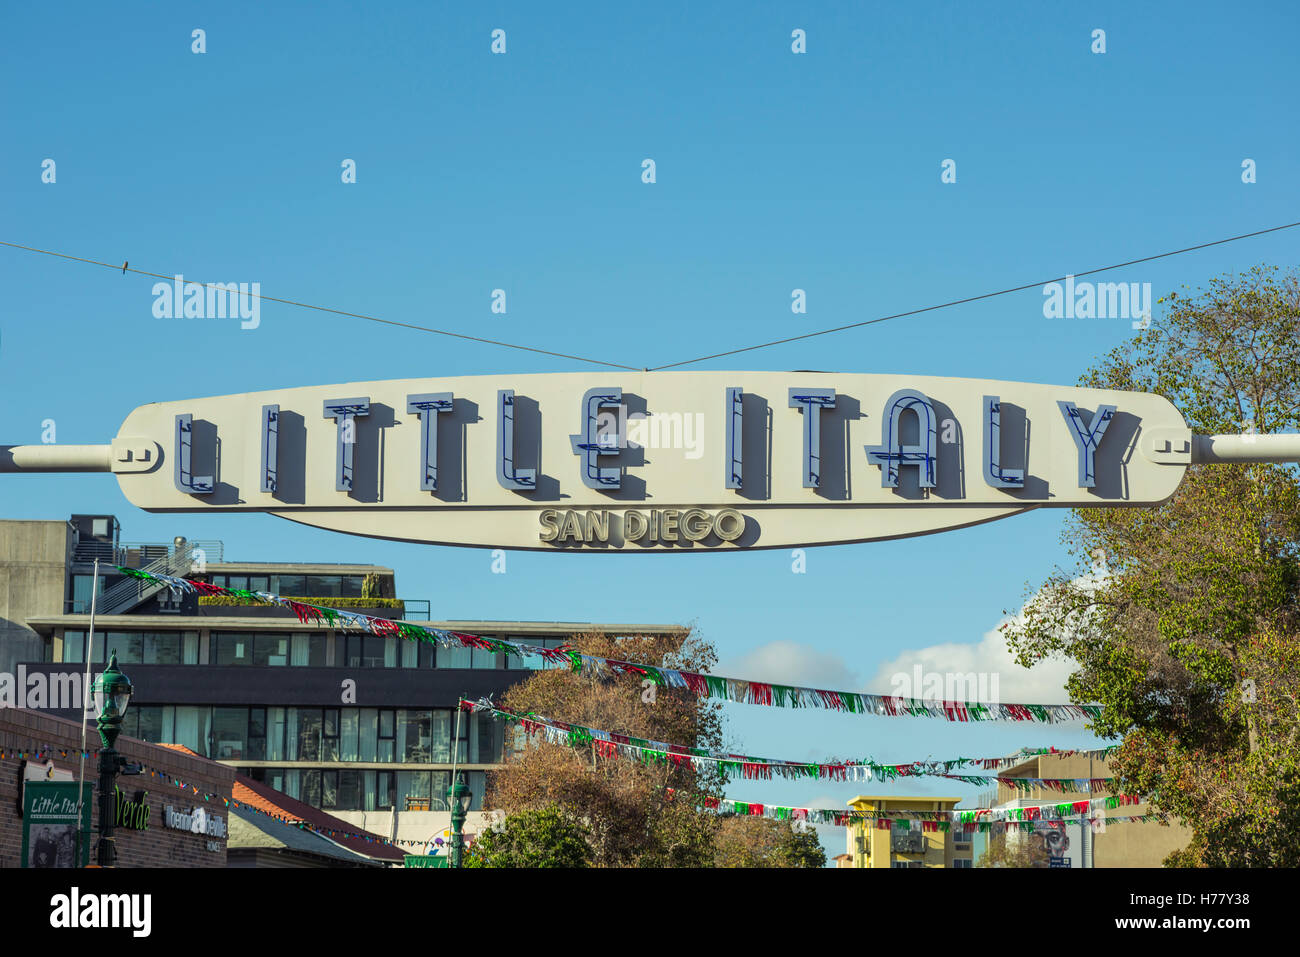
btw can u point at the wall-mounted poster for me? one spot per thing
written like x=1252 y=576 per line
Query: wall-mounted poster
x=50 y=825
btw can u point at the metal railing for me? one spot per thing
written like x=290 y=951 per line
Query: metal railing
x=177 y=560
x=415 y=609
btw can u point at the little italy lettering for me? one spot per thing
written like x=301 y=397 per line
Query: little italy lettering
x=650 y=461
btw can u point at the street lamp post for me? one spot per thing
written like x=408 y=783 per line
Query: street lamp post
x=458 y=798
x=112 y=696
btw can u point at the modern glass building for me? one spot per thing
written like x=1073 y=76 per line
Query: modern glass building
x=344 y=721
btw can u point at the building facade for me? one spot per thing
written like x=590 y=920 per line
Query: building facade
x=1080 y=843
x=904 y=846
x=39 y=747
x=365 y=727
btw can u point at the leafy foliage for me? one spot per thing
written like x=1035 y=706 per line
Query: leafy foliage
x=1004 y=853
x=763 y=842
x=540 y=837
x=632 y=817
x=1185 y=627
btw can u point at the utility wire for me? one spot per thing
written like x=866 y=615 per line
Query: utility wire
x=717 y=355
x=958 y=302
x=338 y=312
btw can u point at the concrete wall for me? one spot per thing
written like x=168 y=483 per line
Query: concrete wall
x=412 y=825
x=33 y=568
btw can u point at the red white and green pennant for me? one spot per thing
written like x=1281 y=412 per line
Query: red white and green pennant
x=762 y=693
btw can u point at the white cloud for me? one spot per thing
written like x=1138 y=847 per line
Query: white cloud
x=790 y=663
x=1042 y=684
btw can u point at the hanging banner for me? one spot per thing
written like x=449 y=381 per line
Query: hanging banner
x=51 y=836
x=637 y=462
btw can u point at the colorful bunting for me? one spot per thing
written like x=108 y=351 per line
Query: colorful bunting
x=610 y=744
x=700 y=685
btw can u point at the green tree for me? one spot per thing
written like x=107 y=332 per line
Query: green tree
x=1021 y=853
x=1185 y=628
x=542 y=837
x=639 y=814
x=763 y=842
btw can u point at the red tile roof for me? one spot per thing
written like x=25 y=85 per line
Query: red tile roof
x=280 y=805
x=181 y=748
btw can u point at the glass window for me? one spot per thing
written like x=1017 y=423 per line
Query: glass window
x=349 y=725
x=454 y=657
x=384 y=791
x=81 y=589
x=294 y=586
x=219 y=580
x=410 y=654
x=350 y=586
x=293 y=783
x=309 y=734
x=128 y=646
x=477 y=781
x=193 y=728
x=308 y=651
x=482 y=658
x=162 y=648
x=150 y=727
x=369 y=734
x=230 y=733
x=441 y=782
x=271 y=650
x=276 y=721
x=232 y=648
x=322 y=586
x=190 y=648
x=258 y=583
x=329 y=745
x=537 y=662
x=256 y=734
x=99 y=527
x=413 y=790
x=354 y=644
x=377 y=651
x=74 y=647
x=239 y=581
x=311 y=788
x=413 y=728
x=440 y=737
x=485 y=739
x=349 y=798
x=386 y=742
x=329 y=790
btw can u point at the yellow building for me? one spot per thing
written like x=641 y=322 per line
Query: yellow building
x=870 y=846
x=1120 y=844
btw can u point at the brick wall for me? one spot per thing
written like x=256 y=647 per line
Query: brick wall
x=158 y=846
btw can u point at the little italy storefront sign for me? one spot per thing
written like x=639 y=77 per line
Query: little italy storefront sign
x=651 y=461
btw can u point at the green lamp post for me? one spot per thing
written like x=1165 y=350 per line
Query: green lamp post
x=112 y=696
x=458 y=798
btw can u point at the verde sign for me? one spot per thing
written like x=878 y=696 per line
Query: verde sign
x=133 y=815
x=652 y=461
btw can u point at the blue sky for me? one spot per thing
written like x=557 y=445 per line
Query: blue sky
x=522 y=171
